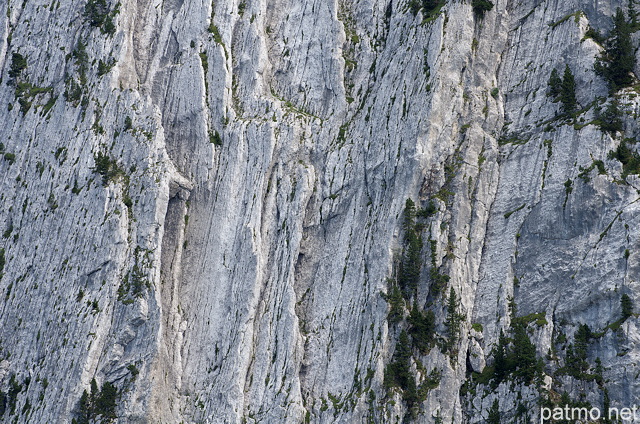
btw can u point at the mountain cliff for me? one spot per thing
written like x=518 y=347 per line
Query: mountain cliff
x=310 y=211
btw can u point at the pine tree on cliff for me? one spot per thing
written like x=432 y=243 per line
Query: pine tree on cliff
x=555 y=84
x=568 y=91
x=616 y=63
x=501 y=366
x=627 y=306
x=409 y=272
x=453 y=321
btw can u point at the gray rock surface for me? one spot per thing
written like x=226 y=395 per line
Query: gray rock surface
x=203 y=206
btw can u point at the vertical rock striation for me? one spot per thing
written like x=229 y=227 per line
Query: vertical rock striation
x=205 y=212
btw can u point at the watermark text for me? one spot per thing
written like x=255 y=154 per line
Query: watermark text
x=627 y=415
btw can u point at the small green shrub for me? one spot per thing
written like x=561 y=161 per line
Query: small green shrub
x=11 y=398
x=7 y=233
x=128 y=124
x=428 y=210
x=481 y=6
x=10 y=157
x=51 y=201
x=73 y=91
x=584 y=172
x=205 y=67
x=611 y=119
x=81 y=60
x=18 y=64
x=49 y=105
x=508 y=214
x=75 y=189
x=107 y=167
x=428 y=6
x=133 y=370
x=99 y=15
x=629 y=158
x=135 y=281
x=126 y=199
x=105 y=67
x=95 y=11
x=595 y=35
x=214 y=138
x=568 y=186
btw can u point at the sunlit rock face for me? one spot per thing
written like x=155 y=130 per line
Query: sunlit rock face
x=309 y=211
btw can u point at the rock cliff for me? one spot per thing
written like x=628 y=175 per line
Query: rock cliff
x=309 y=211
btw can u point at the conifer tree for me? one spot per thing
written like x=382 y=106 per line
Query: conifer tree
x=430 y=5
x=611 y=118
x=453 y=320
x=555 y=84
x=577 y=361
x=627 y=306
x=84 y=409
x=398 y=372
x=568 y=91
x=618 y=60
x=422 y=327
x=524 y=353
x=500 y=365
x=106 y=401
x=409 y=216
x=396 y=304
x=411 y=261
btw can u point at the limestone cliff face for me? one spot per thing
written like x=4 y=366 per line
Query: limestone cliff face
x=203 y=209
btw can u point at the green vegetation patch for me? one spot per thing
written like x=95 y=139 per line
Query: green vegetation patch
x=576 y=17
x=584 y=172
x=100 y=15
x=429 y=7
x=481 y=6
x=97 y=403
x=18 y=64
x=508 y=214
x=108 y=168
x=618 y=60
x=629 y=158
x=136 y=281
